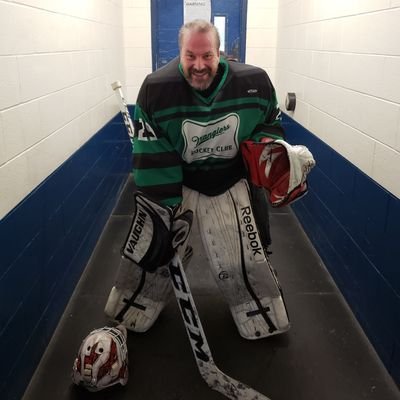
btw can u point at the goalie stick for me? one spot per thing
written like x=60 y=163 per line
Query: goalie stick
x=117 y=87
x=212 y=375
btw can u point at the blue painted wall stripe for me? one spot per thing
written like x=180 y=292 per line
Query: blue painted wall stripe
x=354 y=224
x=47 y=240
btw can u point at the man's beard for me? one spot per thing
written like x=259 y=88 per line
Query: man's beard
x=202 y=84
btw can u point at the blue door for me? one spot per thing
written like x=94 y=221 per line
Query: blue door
x=167 y=17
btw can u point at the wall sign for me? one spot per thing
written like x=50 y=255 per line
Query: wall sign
x=196 y=9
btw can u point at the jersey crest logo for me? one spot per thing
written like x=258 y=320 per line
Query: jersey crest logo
x=217 y=139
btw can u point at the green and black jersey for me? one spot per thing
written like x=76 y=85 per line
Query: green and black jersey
x=192 y=138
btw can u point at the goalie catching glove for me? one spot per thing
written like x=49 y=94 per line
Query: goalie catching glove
x=155 y=233
x=279 y=167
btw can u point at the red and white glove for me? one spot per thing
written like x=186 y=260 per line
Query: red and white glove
x=279 y=167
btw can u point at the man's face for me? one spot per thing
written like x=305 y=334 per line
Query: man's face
x=199 y=58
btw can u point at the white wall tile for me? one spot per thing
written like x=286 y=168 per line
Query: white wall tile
x=261 y=4
x=357 y=72
x=375 y=117
x=383 y=39
x=54 y=111
x=2 y=150
x=386 y=168
x=262 y=17
x=136 y=3
x=96 y=63
x=361 y=6
x=258 y=37
x=14 y=183
x=286 y=38
x=84 y=124
x=397 y=147
x=301 y=113
x=135 y=76
x=14 y=34
x=317 y=123
x=320 y=65
x=390 y=87
x=132 y=93
x=395 y=3
x=43 y=74
x=357 y=147
x=13 y=135
x=79 y=62
x=261 y=56
x=137 y=17
x=324 y=96
x=300 y=62
x=138 y=57
x=22 y=127
x=314 y=36
x=47 y=155
x=332 y=35
x=9 y=82
x=137 y=37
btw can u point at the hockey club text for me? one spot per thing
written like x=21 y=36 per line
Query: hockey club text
x=251 y=231
x=216 y=139
x=188 y=312
x=210 y=135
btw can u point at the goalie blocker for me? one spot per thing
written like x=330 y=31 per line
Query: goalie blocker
x=278 y=167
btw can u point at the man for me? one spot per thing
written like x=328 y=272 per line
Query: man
x=191 y=118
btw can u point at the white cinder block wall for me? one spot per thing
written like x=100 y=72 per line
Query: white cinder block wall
x=137 y=39
x=261 y=34
x=57 y=59
x=342 y=59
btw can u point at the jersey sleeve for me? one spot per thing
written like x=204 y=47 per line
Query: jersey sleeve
x=271 y=125
x=157 y=167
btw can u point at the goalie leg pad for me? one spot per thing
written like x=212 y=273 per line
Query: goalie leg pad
x=239 y=264
x=138 y=297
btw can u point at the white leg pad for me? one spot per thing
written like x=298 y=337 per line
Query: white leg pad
x=138 y=297
x=239 y=264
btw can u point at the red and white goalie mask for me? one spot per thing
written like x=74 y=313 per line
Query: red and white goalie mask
x=278 y=167
x=102 y=360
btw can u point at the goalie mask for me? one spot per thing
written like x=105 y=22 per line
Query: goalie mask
x=102 y=360
x=279 y=167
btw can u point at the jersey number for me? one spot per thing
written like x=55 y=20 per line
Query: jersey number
x=145 y=132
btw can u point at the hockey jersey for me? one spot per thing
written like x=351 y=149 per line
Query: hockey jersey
x=186 y=137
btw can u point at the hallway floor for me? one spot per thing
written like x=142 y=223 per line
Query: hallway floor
x=324 y=356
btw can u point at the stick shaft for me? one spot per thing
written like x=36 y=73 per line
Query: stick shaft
x=117 y=87
x=214 y=377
